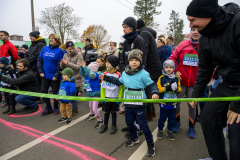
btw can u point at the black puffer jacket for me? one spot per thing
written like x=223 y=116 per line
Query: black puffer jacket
x=26 y=81
x=153 y=64
x=34 y=51
x=220 y=45
x=89 y=54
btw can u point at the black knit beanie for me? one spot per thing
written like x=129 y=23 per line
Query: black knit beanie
x=25 y=46
x=140 y=24
x=131 y=23
x=113 y=60
x=202 y=8
x=35 y=34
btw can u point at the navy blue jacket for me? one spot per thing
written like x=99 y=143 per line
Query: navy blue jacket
x=162 y=54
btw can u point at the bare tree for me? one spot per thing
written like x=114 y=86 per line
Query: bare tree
x=61 y=21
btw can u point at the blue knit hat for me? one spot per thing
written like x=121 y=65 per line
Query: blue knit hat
x=4 y=60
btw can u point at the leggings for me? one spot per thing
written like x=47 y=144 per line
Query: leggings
x=192 y=111
x=93 y=105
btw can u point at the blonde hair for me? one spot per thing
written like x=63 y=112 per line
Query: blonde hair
x=163 y=40
x=64 y=46
x=57 y=39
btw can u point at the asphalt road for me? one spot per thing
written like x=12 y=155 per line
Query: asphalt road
x=26 y=138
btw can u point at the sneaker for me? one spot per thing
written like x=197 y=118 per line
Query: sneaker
x=160 y=135
x=224 y=132
x=33 y=110
x=56 y=111
x=131 y=142
x=103 y=128
x=121 y=112
x=151 y=150
x=170 y=136
x=7 y=111
x=125 y=129
x=176 y=127
x=113 y=130
x=90 y=117
x=99 y=124
x=46 y=111
x=139 y=132
x=191 y=132
x=69 y=120
x=41 y=101
x=63 y=119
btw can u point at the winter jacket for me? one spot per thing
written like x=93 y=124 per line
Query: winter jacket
x=67 y=88
x=113 y=51
x=169 y=51
x=139 y=80
x=49 y=62
x=138 y=43
x=152 y=62
x=8 y=72
x=8 y=49
x=189 y=73
x=26 y=81
x=74 y=61
x=162 y=54
x=220 y=45
x=89 y=54
x=165 y=91
x=34 y=51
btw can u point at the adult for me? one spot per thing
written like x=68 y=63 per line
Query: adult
x=219 y=45
x=171 y=43
x=73 y=59
x=162 y=49
x=132 y=41
x=7 y=49
x=169 y=47
x=186 y=37
x=152 y=61
x=25 y=48
x=49 y=68
x=113 y=50
x=26 y=81
x=185 y=57
x=89 y=53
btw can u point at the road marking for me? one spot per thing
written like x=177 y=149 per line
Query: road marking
x=142 y=150
x=39 y=140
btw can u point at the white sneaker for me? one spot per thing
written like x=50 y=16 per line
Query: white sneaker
x=225 y=132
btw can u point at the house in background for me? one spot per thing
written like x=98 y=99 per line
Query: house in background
x=16 y=37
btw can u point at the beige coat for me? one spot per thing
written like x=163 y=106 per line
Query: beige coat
x=113 y=51
x=74 y=60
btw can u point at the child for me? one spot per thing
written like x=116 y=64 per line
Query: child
x=102 y=65
x=67 y=88
x=110 y=90
x=136 y=79
x=7 y=71
x=92 y=86
x=168 y=85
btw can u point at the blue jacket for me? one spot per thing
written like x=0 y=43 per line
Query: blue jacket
x=67 y=88
x=162 y=54
x=49 y=62
x=169 y=52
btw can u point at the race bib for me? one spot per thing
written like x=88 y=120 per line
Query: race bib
x=190 y=60
x=87 y=87
x=62 y=93
x=108 y=85
x=170 y=95
x=133 y=95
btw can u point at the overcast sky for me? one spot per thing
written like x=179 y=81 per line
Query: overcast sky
x=16 y=14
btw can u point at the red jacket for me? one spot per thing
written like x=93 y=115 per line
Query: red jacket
x=7 y=48
x=189 y=73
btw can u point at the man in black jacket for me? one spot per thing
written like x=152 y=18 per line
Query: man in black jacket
x=218 y=45
x=153 y=64
x=26 y=81
x=89 y=53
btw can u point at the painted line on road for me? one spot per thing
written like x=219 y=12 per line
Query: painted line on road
x=142 y=150
x=42 y=138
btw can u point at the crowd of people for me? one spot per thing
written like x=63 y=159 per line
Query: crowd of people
x=144 y=66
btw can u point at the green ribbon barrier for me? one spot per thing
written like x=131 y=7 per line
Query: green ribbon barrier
x=75 y=98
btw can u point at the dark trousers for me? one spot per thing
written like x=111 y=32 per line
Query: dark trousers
x=9 y=99
x=164 y=115
x=140 y=113
x=39 y=78
x=213 y=119
x=150 y=106
x=204 y=95
x=46 y=83
x=25 y=100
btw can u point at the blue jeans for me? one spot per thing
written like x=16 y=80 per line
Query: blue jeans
x=164 y=114
x=140 y=114
x=74 y=105
x=25 y=100
x=215 y=83
x=204 y=95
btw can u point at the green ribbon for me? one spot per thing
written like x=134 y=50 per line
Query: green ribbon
x=75 y=98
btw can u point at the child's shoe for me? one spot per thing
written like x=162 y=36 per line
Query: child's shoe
x=56 y=111
x=191 y=132
x=90 y=117
x=176 y=127
x=151 y=150
x=131 y=142
x=47 y=111
x=63 y=119
x=113 y=130
x=170 y=136
x=99 y=124
x=7 y=111
x=160 y=135
x=103 y=128
x=69 y=120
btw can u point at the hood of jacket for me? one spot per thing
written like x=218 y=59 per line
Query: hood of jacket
x=152 y=31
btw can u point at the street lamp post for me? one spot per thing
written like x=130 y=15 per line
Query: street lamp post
x=32 y=11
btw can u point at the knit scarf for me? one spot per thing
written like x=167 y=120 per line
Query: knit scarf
x=130 y=36
x=102 y=68
x=171 y=76
x=130 y=71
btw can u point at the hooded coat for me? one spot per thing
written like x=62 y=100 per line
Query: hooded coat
x=113 y=51
x=74 y=61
